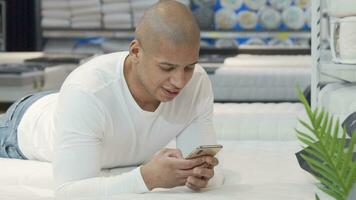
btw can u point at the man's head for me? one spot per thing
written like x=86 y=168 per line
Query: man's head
x=165 y=50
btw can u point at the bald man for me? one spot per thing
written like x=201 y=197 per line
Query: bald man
x=121 y=110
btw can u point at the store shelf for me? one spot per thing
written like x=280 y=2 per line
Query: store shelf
x=47 y=33
x=257 y=50
x=326 y=63
x=58 y=33
x=234 y=34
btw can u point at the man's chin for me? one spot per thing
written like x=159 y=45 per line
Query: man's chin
x=166 y=99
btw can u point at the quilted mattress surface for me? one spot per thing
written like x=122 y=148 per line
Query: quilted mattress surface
x=257 y=121
x=261 y=78
x=253 y=170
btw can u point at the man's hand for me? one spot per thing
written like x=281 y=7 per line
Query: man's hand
x=169 y=169
x=202 y=174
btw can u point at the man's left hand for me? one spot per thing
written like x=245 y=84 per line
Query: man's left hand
x=202 y=174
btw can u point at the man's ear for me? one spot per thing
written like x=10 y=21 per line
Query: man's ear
x=135 y=50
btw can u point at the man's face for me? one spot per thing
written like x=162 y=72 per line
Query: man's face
x=165 y=71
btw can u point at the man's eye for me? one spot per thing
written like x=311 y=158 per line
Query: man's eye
x=167 y=68
x=190 y=68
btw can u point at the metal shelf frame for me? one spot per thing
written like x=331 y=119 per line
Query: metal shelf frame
x=124 y=34
x=321 y=58
x=315 y=50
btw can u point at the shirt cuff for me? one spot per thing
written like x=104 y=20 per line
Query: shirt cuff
x=141 y=185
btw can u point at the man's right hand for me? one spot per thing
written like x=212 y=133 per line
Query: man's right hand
x=169 y=169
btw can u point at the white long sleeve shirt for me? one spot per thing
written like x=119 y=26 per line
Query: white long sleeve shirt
x=94 y=123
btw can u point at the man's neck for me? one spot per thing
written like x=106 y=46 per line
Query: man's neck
x=137 y=90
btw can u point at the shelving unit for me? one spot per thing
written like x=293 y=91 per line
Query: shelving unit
x=123 y=34
x=321 y=58
x=2 y=25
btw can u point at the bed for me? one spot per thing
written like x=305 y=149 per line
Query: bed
x=253 y=170
x=264 y=78
x=256 y=166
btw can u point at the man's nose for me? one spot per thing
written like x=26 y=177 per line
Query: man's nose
x=178 y=78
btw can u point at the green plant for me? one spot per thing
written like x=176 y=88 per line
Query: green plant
x=327 y=154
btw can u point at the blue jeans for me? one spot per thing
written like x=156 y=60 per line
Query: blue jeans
x=9 y=122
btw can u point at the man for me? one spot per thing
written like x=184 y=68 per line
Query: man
x=119 y=109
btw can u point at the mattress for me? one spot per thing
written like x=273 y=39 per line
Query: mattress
x=253 y=170
x=339 y=99
x=257 y=121
x=261 y=78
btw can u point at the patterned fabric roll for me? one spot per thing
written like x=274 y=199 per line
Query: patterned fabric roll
x=225 y=19
x=280 y=4
x=205 y=17
x=302 y=3
x=270 y=18
x=255 y=4
x=247 y=19
x=231 y=4
x=293 y=17
x=204 y=3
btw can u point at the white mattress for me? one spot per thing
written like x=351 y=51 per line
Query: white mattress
x=261 y=78
x=257 y=121
x=339 y=99
x=254 y=170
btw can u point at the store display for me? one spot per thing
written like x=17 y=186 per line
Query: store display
x=204 y=3
x=226 y=43
x=255 y=42
x=225 y=19
x=343 y=40
x=342 y=8
x=205 y=17
x=19 y=68
x=247 y=19
x=280 y=42
x=280 y=4
x=270 y=18
x=235 y=15
x=302 y=3
x=293 y=17
x=255 y=4
x=55 y=14
x=231 y=4
x=307 y=14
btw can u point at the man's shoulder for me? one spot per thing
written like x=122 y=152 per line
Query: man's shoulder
x=96 y=72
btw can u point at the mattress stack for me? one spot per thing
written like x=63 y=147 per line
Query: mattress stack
x=139 y=7
x=85 y=13
x=339 y=99
x=55 y=14
x=117 y=14
x=251 y=78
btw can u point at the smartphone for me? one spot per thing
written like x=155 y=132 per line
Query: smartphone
x=205 y=150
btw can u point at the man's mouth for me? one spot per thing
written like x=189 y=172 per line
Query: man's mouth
x=170 y=93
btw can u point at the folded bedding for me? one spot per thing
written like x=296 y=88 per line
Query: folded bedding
x=339 y=99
